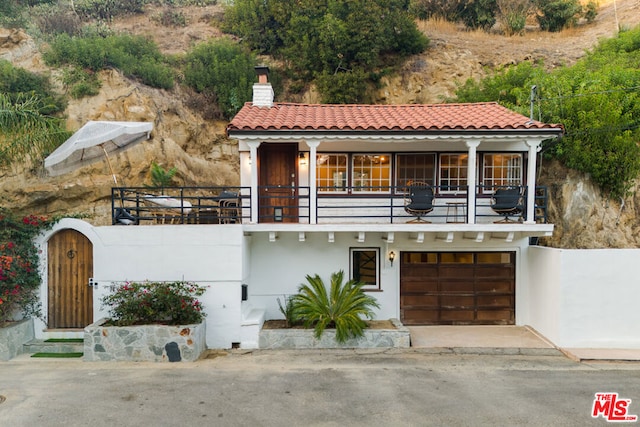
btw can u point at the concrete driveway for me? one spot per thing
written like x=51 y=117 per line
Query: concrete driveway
x=413 y=387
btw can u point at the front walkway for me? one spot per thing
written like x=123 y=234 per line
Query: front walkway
x=507 y=340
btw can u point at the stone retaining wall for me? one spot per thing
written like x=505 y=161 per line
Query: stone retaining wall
x=303 y=338
x=13 y=337
x=144 y=343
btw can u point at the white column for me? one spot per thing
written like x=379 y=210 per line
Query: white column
x=253 y=155
x=471 y=180
x=534 y=146
x=313 y=186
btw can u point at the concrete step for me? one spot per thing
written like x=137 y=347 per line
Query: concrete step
x=41 y=346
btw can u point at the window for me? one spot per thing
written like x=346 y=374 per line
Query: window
x=453 y=172
x=415 y=167
x=371 y=172
x=365 y=266
x=501 y=169
x=331 y=172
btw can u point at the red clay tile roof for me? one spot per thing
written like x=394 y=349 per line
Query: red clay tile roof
x=418 y=117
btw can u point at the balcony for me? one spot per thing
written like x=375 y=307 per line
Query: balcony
x=295 y=205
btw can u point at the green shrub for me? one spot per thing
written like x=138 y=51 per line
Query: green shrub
x=341 y=308
x=343 y=88
x=170 y=18
x=80 y=82
x=168 y=303
x=18 y=83
x=513 y=15
x=555 y=15
x=479 y=14
x=108 y=9
x=222 y=68
x=135 y=56
x=449 y=10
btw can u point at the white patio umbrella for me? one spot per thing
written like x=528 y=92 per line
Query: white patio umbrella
x=93 y=141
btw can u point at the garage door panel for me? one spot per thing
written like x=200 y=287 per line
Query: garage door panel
x=448 y=301
x=457 y=316
x=466 y=289
x=412 y=301
x=417 y=287
x=457 y=286
x=494 y=286
x=500 y=317
x=420 y=317
x=456 y=271
x=494 y=301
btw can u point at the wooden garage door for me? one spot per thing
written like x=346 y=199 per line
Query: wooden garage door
x=457 y=288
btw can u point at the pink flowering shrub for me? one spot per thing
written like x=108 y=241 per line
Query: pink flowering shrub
x=143 y=303
x=19 y=272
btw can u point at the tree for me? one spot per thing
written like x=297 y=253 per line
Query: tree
x=326 y=37
x=596 y=100
x=224 y=69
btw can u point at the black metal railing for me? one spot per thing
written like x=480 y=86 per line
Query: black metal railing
x=231 y=205
x=179 y=205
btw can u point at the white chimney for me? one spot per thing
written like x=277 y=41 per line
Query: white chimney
x=262 y=91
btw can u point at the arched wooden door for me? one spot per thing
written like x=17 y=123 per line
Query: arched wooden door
x=70 y=265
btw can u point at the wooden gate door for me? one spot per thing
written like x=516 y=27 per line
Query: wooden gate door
x=70 y=265
x=278 y=201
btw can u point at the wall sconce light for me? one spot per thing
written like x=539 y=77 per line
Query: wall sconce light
x=302 y=158
x=392 y=256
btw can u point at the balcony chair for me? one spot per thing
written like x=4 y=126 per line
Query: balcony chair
x=418 y=200
x=508 y=201
x=229 y=203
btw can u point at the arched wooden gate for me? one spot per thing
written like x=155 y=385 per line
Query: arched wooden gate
x=69 y=266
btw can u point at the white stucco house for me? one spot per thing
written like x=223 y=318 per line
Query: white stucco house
x=328 y=187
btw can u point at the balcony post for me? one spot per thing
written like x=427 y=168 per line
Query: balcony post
x=253 y=155
x=313 y=186
x=534 y=147
x=472 y=145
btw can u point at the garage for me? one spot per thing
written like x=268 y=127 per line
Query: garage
x=457 y=288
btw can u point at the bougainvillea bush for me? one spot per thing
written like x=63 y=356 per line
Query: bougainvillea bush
x=19 y=265
x=144 y=303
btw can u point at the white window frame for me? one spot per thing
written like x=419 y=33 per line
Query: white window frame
x=355 y=175
x=342 y=181
x=514 y=171
x=462 y=171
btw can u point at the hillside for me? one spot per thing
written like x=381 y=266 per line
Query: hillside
x=204 y=156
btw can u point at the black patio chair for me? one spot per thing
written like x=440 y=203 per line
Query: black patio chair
x=508 y=201
x=418 y=200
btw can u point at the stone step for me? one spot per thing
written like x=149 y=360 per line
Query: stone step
x=40 y=346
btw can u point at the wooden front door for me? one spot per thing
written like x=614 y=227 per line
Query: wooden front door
x=453 y=288
x=70 y=265
x=278 y=201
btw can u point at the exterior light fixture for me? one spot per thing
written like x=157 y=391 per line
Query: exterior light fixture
x=392 y=256
x=303 y=159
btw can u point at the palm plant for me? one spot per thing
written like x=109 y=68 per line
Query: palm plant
x=161 y=177
x=343 y=307
x=25 y=133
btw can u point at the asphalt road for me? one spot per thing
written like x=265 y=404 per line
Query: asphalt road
x=314 y=388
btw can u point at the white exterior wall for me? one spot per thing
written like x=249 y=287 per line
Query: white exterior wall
x=279 y=267
x=208 y=255
x=586 y=298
